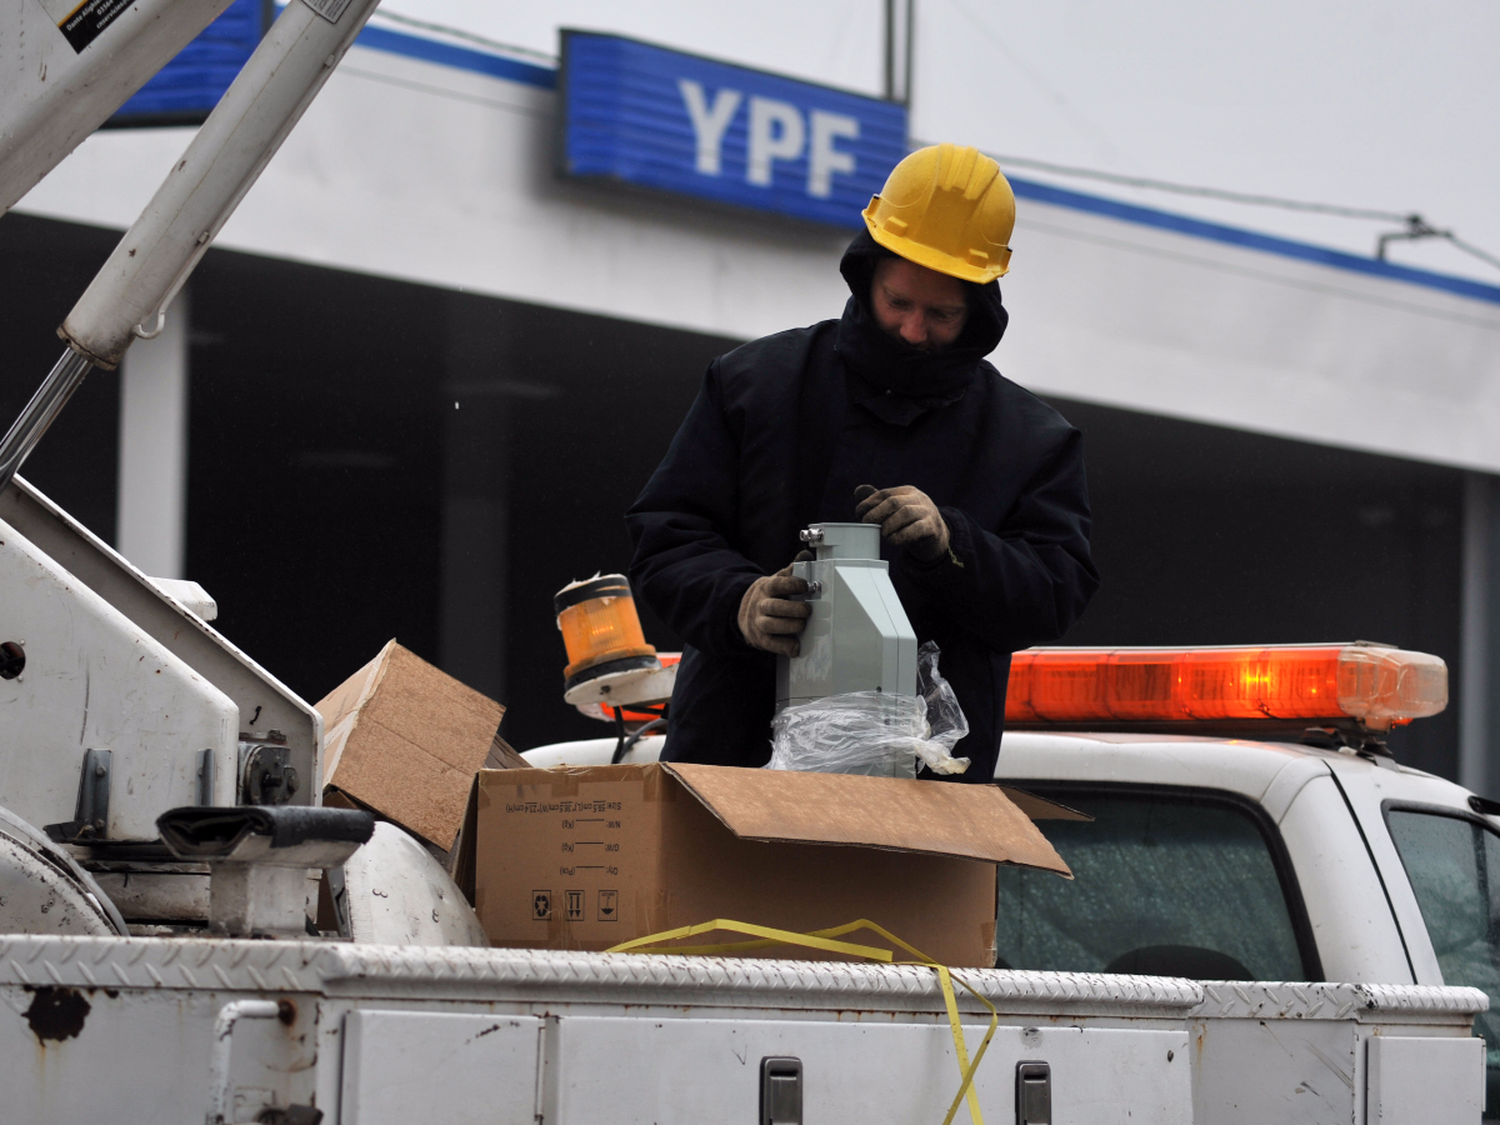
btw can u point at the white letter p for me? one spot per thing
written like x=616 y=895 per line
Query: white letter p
x=776 y=133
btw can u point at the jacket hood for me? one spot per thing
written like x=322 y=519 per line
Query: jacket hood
x=896 y=365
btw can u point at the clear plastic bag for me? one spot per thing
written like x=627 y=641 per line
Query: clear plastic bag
x=945 y=718
x=874 y=733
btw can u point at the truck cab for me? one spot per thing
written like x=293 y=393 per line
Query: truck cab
x=1232 y=859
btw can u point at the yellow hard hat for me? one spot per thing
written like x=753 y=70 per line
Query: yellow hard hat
x=949 y=208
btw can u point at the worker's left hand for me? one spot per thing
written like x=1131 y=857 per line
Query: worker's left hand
x=907 y=517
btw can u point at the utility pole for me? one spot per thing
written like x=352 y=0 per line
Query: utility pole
x=900 y=23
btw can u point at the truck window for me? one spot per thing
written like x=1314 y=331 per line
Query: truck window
x=1453 y=864
x=1166 y=883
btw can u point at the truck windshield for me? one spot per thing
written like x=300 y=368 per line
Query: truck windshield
x=1167 y=884
x=1453 y=864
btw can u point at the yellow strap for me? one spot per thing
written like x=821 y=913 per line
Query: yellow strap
x=965 y=1068
x=821 y=939
x=826 y=941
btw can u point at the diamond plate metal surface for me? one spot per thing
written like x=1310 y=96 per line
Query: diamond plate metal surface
x=238 y=966
x=527 y=976
x=587 y=977
x=1233 y=1000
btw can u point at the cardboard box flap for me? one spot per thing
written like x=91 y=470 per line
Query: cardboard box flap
x=967 y=821
x=463 y=856
x=503 y=756
x=404 y=739
x=1039 y=808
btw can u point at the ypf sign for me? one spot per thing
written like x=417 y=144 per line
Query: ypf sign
x=661 y=119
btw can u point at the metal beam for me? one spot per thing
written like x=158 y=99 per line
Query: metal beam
x=151 y=520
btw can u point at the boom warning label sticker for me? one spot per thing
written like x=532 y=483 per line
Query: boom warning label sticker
x=82 y=23
x=330 y=10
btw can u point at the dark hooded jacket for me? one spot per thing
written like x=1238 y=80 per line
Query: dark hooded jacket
x=782 y=432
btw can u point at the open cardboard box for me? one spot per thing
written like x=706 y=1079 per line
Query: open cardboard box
x=588 y=858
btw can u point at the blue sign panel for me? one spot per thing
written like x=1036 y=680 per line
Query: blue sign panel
x=187 y=88
x=662 y=119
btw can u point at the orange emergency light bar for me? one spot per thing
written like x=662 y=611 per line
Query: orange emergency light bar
x=1374 y=685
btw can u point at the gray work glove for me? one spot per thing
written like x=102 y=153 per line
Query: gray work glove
x=767 y=620
x=907 y=517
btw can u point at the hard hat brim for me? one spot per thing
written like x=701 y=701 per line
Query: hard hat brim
x=914 y=251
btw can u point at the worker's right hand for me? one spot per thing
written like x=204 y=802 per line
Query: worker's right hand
x=768 y=620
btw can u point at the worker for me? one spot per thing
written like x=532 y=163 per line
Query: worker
x=889 y=415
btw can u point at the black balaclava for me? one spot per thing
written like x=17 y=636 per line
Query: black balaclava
x=893 y=364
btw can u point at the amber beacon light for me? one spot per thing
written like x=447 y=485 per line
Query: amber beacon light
x=600 y=629
x=1375 y=686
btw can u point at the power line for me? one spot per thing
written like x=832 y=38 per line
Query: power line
x=456 y=33
x=1208 y=192
x=1413 y=226
x=1470 y=248
x=1417 y=227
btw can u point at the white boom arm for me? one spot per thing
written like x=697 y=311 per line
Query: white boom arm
x=65 y=67
x=130 y=294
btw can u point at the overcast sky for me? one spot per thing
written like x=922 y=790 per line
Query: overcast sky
x=1386 y=104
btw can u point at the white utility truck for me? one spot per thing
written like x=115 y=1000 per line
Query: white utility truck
x=161 y=817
